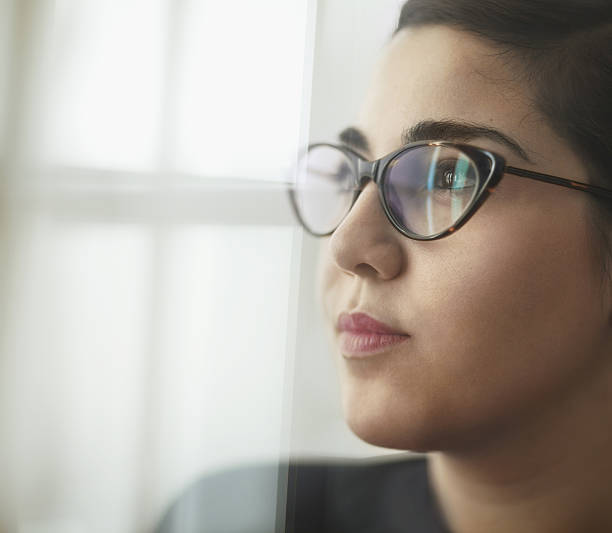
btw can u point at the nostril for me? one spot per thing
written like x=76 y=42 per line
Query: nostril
x=365 y=270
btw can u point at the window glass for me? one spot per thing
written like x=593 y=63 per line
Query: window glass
x=239 y=87
x=198 y=87
x=103 y=107
x=133 y=375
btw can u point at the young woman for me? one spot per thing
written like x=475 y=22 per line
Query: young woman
x=466 y=224
x=464 y=273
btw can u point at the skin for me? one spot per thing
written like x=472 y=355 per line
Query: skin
x=506 y=379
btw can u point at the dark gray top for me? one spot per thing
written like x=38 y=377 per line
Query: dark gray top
x=321 y=497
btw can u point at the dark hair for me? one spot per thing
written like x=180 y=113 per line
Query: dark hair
x=565 y=50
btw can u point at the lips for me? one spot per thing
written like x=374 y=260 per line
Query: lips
x=362 y=336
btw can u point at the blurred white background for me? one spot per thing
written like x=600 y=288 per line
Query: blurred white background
x=158 y=300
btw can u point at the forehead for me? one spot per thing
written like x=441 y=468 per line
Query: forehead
x=436 y=72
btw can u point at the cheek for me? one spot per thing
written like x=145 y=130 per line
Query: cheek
x=330 y=282
x=506 y=326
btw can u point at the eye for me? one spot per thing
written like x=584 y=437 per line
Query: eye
x=339 y=172
x=454 y=174
x=328 y=169
x=344 y=171
x=343 y=177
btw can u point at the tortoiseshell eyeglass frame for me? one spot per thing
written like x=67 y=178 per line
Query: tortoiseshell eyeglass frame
x=491 y=167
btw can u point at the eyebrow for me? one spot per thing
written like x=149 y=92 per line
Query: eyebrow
x=354 y=138
x=440 y=130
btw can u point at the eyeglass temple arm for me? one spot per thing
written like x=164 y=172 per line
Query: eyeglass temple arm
x=593 y=189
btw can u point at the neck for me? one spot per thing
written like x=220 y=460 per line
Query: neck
x=550 y=473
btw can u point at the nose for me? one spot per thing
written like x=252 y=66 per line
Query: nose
x=366 y=244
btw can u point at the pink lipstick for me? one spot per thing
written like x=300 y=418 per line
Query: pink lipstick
x=361 y=336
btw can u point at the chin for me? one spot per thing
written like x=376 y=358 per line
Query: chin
x=398 y=429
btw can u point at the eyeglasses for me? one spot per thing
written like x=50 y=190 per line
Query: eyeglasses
x=427 y=189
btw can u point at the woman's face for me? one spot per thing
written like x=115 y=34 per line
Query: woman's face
x=506 y=317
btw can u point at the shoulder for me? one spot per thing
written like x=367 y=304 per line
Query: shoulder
x=368 y=496
x=309 y=496
x=235 y=500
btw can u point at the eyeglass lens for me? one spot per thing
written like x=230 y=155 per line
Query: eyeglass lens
x=426 y=188
x=325 y=188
